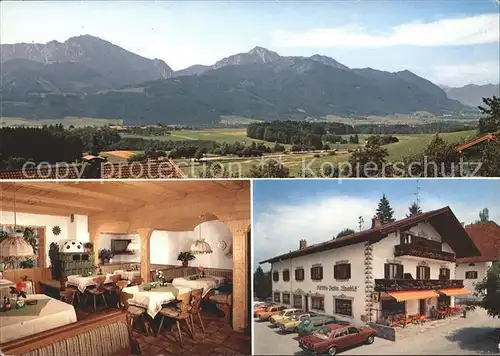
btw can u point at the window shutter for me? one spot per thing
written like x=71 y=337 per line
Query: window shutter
x=400 y=272
x=321 y=272
x=427 y=273
x=335 y=271
x=349 y=271
x=312 y=276
x=386 y=271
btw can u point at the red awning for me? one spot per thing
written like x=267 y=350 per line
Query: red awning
x=413 y=295
x=455 y=291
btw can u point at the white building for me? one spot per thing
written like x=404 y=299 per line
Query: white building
x=406 y=266
x=486 y=237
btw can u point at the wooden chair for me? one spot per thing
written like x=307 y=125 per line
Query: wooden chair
x=195 y=307
x=136 y=281
x=111 y=287
x=178 y=312
x=67 y=293
x=224 y=302
x=119 y=287
x=98 y=290
x=135 y=313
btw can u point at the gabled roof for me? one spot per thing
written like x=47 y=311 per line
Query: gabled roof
x=486 y=237
x=485 y=137
x=443 y=220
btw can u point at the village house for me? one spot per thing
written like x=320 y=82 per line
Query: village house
x=404 y=267
x=486 y=237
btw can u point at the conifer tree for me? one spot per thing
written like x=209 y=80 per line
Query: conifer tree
x=384 y=211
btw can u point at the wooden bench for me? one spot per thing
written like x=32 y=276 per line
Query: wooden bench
x=103 y=335
x=224 y=302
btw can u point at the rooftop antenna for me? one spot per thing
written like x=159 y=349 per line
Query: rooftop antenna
x=361 y=222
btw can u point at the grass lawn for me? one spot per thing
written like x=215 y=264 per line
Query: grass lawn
x=217 y=135
x=118 y=156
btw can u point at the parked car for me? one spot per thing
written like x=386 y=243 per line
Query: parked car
x=285 y=313
x=290 y=324
x=265 y=314
x=331 y=338
x=261 y=308
x=312 y=324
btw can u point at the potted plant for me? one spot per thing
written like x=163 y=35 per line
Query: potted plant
x=88 y=246
x=54 y=258
x=19 y=292
x=185 y=257
x=105 y=255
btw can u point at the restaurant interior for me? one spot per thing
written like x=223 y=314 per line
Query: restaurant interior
x=125 y=267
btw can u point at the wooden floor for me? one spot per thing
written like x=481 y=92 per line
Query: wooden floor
x=218 y=339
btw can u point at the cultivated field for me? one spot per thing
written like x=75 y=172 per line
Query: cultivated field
x=218 y=135
x=407 y=145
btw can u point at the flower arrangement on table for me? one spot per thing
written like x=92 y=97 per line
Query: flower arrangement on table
x=19 y=292
x=201 y=271
x=159 y=277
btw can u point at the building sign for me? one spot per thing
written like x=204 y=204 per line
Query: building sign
x=338 y=289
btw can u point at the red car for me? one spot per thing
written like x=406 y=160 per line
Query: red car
x=334 y=337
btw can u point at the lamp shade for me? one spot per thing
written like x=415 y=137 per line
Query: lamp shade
x=16 y=248
x=133 y=246
x=200 y=246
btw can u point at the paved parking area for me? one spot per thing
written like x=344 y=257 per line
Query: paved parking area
x=471 y=336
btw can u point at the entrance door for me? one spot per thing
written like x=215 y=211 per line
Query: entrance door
x=422 y=306
x=306 y=303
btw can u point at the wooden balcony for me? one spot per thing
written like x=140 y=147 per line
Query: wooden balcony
x=391 y=285
x=422 y=251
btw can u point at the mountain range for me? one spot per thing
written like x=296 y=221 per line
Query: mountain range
x=88 y=76
x=472 y=95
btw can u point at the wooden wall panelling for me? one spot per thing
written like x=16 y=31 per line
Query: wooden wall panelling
x=35 y=274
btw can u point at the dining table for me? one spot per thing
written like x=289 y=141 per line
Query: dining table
x=128 y=274
x=48 y=313
x=153 y=299
x=82 y=282
x=196 y=282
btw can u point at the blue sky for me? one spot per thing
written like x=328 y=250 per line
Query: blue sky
x=285 y=211
x=449 y=42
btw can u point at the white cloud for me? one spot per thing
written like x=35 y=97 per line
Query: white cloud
x=279 y=229
x=483 y=72
x=477 y=29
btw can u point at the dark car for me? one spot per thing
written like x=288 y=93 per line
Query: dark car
x=314 y=323
x=334 y=337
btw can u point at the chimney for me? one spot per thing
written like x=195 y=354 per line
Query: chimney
x=302 y=244
x=376 y=222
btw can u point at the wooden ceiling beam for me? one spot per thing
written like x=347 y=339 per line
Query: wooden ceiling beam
x=78 y=189
x=38 y=199
x=34 y=209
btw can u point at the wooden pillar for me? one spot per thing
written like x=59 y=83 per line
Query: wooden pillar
x=145 y=235
x=94 y=236
x=241 y=265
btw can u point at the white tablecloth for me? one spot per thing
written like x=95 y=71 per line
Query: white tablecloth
x=207 y=283
x=128 y=274
x=152 y=301
x=5 y=285
x=83 y=282
x=53 y=315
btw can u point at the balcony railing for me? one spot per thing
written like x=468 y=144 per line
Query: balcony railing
x=393 y=285
x=422 y=251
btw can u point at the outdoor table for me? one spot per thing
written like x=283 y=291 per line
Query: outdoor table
x=207 y=283
x=152 y=300
x=48 y=313
x=82 y=282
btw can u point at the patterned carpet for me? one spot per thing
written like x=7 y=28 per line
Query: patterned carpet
x=218 y=339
